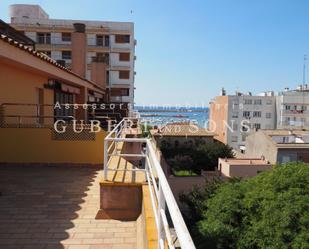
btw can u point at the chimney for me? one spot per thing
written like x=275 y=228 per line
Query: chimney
x=79 y=43
x=98 y=71
x=222 y=92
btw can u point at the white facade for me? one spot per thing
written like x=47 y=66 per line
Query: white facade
x=30 y=18
x=256 y=112
x=293 y=108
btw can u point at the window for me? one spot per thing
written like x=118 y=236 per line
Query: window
x=103 y=56
x=43 y=38
x=234 y=126
x=120 y=92
x=243 y=137
x=122 y=38
x=248 y=101
x=234 y=139
x=102 y=40
x=257 y=126
x=48 y=53
x=107 y=77
x=235 y=115
x=176 y=143
x=257 y=101
x=124 y=56
x=246 y=114
x=66 y=55
x=269 y=102
x=268 y=115
x=66 y=37
x=124 y=74
x=99 y=40
x=125 y=92
x=287 y=107
x=106 y=40
x=257 y=114
x=64 y=98
x=244 y=128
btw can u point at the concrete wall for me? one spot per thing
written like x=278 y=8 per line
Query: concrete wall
x=114 y=78
x=184 y=184
x=258 y=145
x=35 y=145
x=241 y=170
x=218 y=113
x=21 y=86
x=27 y=10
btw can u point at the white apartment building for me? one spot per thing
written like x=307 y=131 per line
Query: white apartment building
x=113 y=41
x=231 y=115
x=293 y=108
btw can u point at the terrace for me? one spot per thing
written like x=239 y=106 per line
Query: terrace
x=128 y=205
x=56 y=207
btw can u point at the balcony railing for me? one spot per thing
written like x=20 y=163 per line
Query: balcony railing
x=160 y=192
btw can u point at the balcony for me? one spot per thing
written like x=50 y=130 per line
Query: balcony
x=98 y=43
x=295 y=112
x=121 y=99
x=59 y=46
x=131 y=161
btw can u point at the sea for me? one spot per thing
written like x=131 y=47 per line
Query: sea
x=161 y=115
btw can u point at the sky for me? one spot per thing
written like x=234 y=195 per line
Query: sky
x=187 y=50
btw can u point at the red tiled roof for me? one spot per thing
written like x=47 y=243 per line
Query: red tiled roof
x=43 y=57
x=183 y=129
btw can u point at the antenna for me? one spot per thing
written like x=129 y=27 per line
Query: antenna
x=304 y=71
x=304 y=84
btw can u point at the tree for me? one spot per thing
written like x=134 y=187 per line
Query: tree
x=181 y=162
x=267 y=211
x=196 y=200
x=207 y=154
x=204 y=155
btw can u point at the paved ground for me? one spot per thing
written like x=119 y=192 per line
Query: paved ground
x=55 y=207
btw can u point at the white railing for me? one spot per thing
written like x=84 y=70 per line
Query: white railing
x=160 y=192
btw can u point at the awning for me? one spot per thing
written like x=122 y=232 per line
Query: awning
x=70 y=89
x=98 y=95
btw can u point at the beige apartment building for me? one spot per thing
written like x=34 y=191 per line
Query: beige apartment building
x=279 y=146
x=75 y=44
x=233 y=117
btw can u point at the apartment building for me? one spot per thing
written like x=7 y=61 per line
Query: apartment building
x=242 y=167
x=279 y=146
x=293 y=108
x=233 y=117
x=75 y=44
x=181 y=134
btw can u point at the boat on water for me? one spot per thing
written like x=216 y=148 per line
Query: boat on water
x=180 y=116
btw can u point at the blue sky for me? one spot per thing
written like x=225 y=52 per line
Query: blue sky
x=187 y=50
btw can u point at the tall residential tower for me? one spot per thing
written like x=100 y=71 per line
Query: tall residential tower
x=76 y=44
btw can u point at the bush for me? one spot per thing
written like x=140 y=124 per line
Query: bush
x=267 y=211
x=146 y=130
